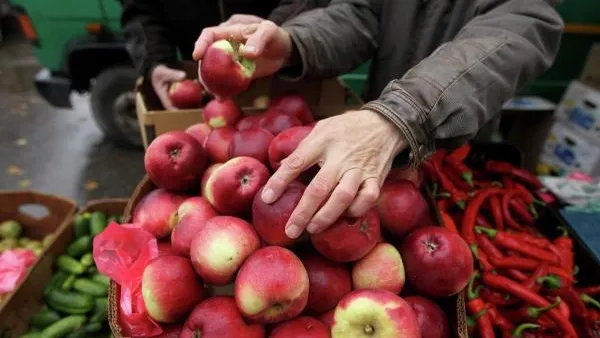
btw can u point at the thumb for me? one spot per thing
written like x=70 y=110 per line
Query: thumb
x=174 y=75
x=256 y=42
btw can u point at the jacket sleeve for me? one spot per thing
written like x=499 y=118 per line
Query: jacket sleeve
x=157 y=43
x=288 y=9
x=451 y=94
x=323 y=36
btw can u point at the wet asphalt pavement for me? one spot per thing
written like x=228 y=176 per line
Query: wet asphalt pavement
x=55 y=150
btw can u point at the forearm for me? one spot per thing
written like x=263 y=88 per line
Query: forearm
x=333 y=40
x=450 y=95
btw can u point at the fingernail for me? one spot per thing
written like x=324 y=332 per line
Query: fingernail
x=312 y=227
x=268 y=195
x=250 y=49
x=293 y=231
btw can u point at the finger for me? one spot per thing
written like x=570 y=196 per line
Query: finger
x=209 y=35
x=315 y=194
x=256 y=42
x=172 y=75
x=164 y=99
x=304 y=157
x=366 y=199
x=342 y=197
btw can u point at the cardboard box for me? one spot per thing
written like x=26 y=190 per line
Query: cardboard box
x=28 y=299
x=325 y=97
x=566 y=150
x=580 y=108
x=40 y=215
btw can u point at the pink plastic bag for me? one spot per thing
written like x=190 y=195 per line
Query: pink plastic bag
x=122 y=252
x=14 y=265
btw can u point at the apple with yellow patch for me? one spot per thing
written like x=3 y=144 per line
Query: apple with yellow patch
x=272 y=286
x=374 y=313
x=382 y=268
x=220 y=247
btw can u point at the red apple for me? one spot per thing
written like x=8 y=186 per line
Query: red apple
x=165 y=248
x=413 y=175
x=373 y=313
x=219 y=317
x=216 y=144
x=209 y=170
x=401 y=206
x=220 y=247
x=329 y=282
x=157 y=212
x=285 y=143
x=192 y=215
x=269 y=220
x=275 y=122
x=293 y=104
x=359 y=236
x=253 y=142
x=175 y=161
x=199 y=131
x=437 y=261
x=248 y=122
x=186 y=94
x=170 y=288
x=272 y=286
x=170 y=331
x=301 y=327
x=328 y=318
x=223 y=71
x=432 y=319
x=382 y=268
x=221 y=113
x=232 y=186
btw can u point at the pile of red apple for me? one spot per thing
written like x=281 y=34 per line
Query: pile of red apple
x=215 y=231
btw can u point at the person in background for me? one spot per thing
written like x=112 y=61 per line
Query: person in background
x=440 y=71
x=157 y=32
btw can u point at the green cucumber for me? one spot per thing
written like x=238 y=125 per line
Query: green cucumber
x=68 y=283
x=97 y=223
x=80 y=246
x=64 y=326
x=100 y=313
x=92 y=270
x=56 y=281
x=81 y=226
x=87 y=260
x=43 y=318
x=70 y=302
x=90 y=287
x=102 y=279
x=70 y=265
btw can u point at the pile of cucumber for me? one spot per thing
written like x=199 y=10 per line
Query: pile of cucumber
x=76 y=302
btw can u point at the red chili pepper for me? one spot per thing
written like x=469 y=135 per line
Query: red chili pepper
x=521 y=211
x=448 y=222
x=442 y=204
x=429 y=170
x=564 y=309
x=482 y=258
x=564 y=244
x=535 y=240
x=496 y=206
x=591 y=290
x=498 y=319
x=461 y=153
x=461 y=169
x=509 y=196
x=529 y=264
x=482 y=221
x=476 y=305
x=532 y=282
x=456 y=179
x=507 y=285
x=504 y=240
x=456 y=196
x=522 y=175
x=497 y=298
x=516 y=275
x=507 y=182
x=472 y=211
x=488 y=247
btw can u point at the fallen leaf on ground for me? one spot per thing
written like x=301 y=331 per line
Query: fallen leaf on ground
x=91 y=185
x=20 y=142
x=24 y=183
x=13 y=170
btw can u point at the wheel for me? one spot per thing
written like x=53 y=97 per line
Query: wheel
x=113 y=105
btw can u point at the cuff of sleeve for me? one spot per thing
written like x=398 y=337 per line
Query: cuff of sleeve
x=296 y=71
x=397 y=108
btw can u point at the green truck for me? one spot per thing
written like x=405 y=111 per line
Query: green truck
x=80 y=45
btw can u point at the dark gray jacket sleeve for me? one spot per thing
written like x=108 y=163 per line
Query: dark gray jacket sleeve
x=451 y=94
x=335 y=39
x=289 y=9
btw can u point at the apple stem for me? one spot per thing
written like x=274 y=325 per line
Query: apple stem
x=197 y=334
x=369 y=329
x=491 y=233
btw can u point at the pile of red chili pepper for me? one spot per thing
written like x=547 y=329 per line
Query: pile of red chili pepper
x=524 y=285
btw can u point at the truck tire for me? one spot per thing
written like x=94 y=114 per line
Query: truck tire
x=113 y=105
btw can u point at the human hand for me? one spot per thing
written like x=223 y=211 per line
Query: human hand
x=161 y=78
x=266 y=43
x=355 y=152
x=245 y=19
